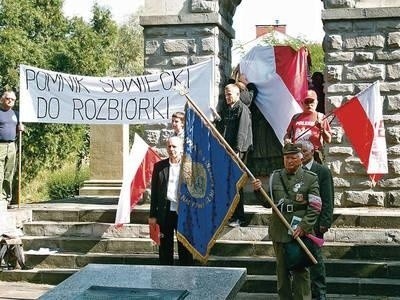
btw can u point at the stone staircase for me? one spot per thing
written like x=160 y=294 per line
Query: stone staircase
x=362 y=249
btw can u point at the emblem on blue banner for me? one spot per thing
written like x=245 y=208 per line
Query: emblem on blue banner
x=209 y=189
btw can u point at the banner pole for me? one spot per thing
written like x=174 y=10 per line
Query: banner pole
x=19 y=167
x=184 y=92
x=308 y=129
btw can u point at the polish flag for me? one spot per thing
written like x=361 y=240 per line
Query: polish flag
x=280 y=75
x=137 y=175
x=362 y=121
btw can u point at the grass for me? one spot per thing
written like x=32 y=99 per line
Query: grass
x=50 y=185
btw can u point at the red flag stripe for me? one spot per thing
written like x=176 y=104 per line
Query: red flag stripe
x=291 y=65
x=357 y=127
x=143 y=176
x=137 y=175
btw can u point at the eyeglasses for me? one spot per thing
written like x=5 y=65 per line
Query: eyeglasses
x=7 y=98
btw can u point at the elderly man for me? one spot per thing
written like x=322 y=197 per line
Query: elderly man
x=324 y=221
x=9 y=126
x=309 y=125
x=164 y=203
x=235 y=127
x=295 y=191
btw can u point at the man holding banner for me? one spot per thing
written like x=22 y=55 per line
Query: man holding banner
x=295 y=192
x=9 y=126
x=164 y=203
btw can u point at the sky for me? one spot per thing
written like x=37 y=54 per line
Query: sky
x=303 y=19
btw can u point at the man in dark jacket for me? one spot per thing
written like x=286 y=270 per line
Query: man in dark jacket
x=324 y=221
x=235 y=127
x=164 y=203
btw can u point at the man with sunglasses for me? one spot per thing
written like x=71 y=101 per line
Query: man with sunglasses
x=9 y=126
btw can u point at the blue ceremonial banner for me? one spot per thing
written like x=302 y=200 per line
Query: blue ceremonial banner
x=210 y=185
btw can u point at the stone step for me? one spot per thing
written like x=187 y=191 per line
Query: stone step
x=101 y=188
x=254 y=283
x=338 y=250
x=250 y=233
x=337 y=285
x=262 y=265
x=89 y=229
x=42 y=276
x=255 y=214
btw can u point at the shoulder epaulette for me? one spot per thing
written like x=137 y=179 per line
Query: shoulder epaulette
x=310 y=172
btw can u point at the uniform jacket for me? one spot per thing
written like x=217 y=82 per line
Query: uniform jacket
x=159 y=183
x=326 y=191
x=303 y=193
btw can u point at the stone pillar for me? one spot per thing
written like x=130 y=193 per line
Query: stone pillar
x=178 y=33
x=362 y=45
x=108 y=148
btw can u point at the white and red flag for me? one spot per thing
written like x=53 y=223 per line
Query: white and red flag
x=137 y=176
x=362 y=121
x=280 y=75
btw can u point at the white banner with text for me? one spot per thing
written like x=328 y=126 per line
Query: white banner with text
x=54 y=97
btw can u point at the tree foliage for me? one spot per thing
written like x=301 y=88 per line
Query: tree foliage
x=35 y=32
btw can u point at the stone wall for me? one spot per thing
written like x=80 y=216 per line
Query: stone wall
x=362 y=45
x=178 y=33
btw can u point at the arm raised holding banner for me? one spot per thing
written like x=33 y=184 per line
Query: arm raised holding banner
x=183 y=91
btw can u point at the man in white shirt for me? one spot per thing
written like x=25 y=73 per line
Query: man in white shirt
x=164 y=203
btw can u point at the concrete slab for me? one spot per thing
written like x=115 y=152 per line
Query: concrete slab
x=22 y=290
x=200 y=282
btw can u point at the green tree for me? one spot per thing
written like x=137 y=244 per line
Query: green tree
x=128 y=49
x=35 y=32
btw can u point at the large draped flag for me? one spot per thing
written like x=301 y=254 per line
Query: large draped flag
x=280 y=74
x=137 y=175
x=362 y=121
x=210 y=183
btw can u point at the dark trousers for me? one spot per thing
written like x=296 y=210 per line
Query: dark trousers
x=166 y=248
x=238 y=214
x=318 y=273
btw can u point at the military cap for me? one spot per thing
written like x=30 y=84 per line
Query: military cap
x=291 y=148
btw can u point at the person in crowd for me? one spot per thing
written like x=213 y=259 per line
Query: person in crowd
x=248 y=90
x=324 y=221
x=235 y=126
x=9 y=127
x=164 y=203
x=309 y=125
x=317 y=84
x=178 y=124
x=295 y=192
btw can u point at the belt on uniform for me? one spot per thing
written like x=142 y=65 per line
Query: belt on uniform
x=291 y=207
x=6 y=142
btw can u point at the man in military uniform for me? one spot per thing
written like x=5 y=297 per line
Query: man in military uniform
x=295 y=192
x=324 y=221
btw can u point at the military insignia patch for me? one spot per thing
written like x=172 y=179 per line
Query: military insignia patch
x=300 y=199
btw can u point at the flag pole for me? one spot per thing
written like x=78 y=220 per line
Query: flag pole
x=184 y=92
x=308 y=129
x=19 y=167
